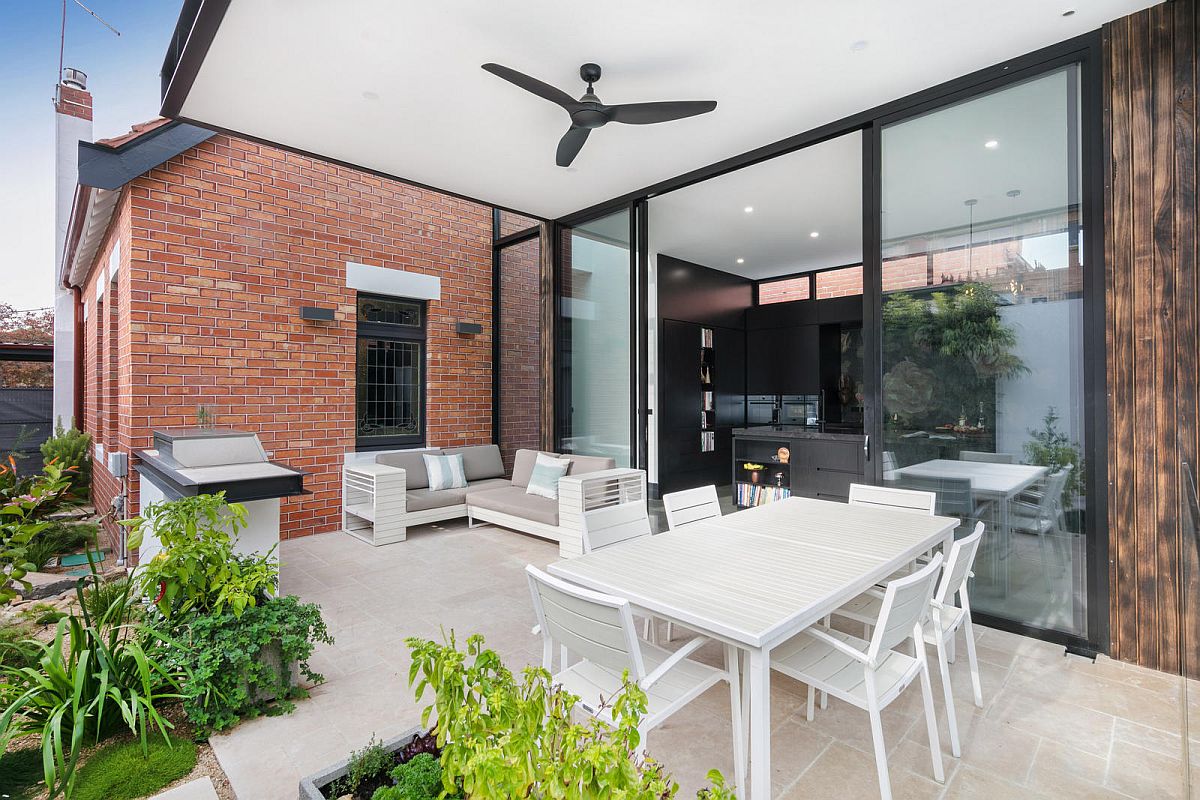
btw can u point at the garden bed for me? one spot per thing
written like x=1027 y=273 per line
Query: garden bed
x=321 y=785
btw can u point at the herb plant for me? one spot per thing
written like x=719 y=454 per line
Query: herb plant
x=419 y=778
x=198 y=571
x=506 y=737
x=1050 y=447
x=233 y=666
x=367 y=769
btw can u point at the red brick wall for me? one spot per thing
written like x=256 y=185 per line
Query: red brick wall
x=520 y=348
x=839 y=283
x=784 y=291
x=227 y=241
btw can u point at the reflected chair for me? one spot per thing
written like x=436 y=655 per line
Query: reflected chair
x=1043 y=517
x=598 y=628
x=871 y=674
x=985 y=457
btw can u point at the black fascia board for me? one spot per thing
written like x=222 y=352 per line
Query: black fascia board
x=104 y=167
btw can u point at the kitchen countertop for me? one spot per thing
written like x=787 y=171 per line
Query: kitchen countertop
x=834 y=431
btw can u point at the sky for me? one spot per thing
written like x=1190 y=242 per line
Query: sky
x=123 y=79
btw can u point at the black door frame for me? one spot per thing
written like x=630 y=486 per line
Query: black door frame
x=1085 y=50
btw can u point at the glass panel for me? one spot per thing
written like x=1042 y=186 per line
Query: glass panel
x=845 y=282
x=519 y=327
x=595 y=416
x=389 y=388
x=511 y=222
x=391 y=312
x=783 y=291
x=983 y=337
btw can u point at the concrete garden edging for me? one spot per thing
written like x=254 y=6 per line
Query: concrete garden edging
x=312 y=786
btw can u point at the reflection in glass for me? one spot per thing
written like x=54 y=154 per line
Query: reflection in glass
x=595 y=411
x=982 y=336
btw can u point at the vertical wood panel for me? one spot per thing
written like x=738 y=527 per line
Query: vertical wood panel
x=1152 y=319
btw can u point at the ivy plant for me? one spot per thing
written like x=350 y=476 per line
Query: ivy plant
x=238 y=665
x=198 y=570
x=506 y=737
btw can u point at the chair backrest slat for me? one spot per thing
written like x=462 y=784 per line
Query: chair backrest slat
x=955 y=497
x=985 y=457
x=593 y=626
x=862 y=494
x=958 y=564
x=1056 y=482
x=905 y=604
x=691 y=505
x=611 y=525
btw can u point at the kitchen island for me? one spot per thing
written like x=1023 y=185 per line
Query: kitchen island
x=771 y=462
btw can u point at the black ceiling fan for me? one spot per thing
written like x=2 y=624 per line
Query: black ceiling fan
x=588 y=112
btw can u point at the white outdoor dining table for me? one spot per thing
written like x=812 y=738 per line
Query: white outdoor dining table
x=999 y=482
x=756 y=578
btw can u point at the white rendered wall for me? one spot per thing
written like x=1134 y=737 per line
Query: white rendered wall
x=68 y=131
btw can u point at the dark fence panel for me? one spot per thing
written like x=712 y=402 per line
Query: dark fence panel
x=25 y=422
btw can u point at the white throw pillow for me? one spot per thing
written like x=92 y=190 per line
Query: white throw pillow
x=543 y=481
x=445 y=471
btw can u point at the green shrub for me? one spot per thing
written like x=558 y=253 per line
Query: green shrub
x=98 y=596
x=71 y=448
x=98 y=675
x=233 y=662
x=21 y=774
x=18 y=649
x=419 y=778
x=59 y=538
x=122 y=771
x=1050 y=447
x=42 y=614
x=198 y=571
x=23 y=503
x=502 y=737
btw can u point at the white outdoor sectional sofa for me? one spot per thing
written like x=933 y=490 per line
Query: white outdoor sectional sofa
x=398 y=487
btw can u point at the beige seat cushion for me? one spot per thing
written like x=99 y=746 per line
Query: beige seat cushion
x=486 y=485
x=523 y=465
x=480 y=462
x=581 y=465
x=413 y=464
x=424 y=499
x=513 y=500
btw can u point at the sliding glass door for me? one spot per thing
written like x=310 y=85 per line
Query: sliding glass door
x=596 y=340
x=982 y=337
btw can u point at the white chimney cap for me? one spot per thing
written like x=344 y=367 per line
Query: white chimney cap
x=75 y=78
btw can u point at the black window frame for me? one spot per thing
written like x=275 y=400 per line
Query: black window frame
x=393 y=332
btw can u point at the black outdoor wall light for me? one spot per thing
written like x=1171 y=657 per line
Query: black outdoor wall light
x=316 y=314
x=468 y=328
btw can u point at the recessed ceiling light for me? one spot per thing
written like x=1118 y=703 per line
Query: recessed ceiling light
x=749 y=209
x=991 y=144
x=370 y=95
x=1068 y=12
x=741 y=261
x=815 y=234
x=859 y=46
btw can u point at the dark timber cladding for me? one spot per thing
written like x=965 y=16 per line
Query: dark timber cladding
x=1152 y=322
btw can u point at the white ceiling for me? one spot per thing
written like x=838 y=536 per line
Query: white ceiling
x=397 y=87
x=817 y=189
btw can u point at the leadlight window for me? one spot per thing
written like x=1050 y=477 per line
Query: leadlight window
x=390 y=373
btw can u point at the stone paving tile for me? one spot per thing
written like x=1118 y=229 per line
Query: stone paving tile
x=1052 y=726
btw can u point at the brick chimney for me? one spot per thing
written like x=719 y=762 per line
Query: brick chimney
x=72 y=123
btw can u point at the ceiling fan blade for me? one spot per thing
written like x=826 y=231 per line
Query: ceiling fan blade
x=543 y=90
x=648 y=113
x=570 y=145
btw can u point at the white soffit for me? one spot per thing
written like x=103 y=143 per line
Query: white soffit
x=397 y=87
x=393 y=282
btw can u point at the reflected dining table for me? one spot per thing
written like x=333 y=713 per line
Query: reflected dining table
x=754 y=579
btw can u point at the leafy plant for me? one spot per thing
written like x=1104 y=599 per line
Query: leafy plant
x=123 y=771
x=72 y=448
x=18 y=648
x=198 y=571
x=419 y=778
x=100 y=595
x=1050 y=447
x=43 y=614
x=97 y=676
x=233 y=663
x=365 y=770
x=504 y=737
x=23 y=501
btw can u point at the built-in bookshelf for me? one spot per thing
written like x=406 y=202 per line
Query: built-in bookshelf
x=761 y=472
x=708 y=409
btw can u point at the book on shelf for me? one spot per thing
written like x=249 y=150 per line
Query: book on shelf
x=706 y=338
x=753 y=494
x=708 y=441
x=708 y=401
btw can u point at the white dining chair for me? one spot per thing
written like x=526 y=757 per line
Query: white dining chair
x=945 y=620
x=609 y=525
x=599 y=630
x=691 y=505
x=982 y=456
x=871 y=674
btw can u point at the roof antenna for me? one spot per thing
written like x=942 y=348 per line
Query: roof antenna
x=62 y=36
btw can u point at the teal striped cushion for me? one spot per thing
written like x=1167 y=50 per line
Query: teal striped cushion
x=543 y=481
x=445 y=472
